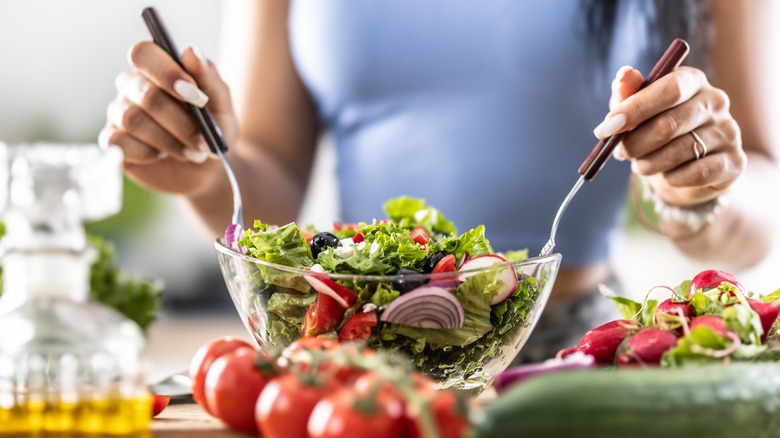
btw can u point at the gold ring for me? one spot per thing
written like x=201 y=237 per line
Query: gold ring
x=699 y=148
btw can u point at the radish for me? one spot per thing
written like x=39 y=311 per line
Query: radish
x=714 y=322
x=768 y=312
x=710 y=279
x=667 y=314
x=602 y=342
x=507 y=274
x=324 y=285
x=645 y=347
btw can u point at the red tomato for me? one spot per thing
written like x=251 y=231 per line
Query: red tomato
x=202 y=360
x=159 y=404
x=358 y=237
x=420 y=235
x=348 y=413
x=307 y=235
x=323 y=316
x=284 y=406
x=446 y=264
x=358 y=327
x=233 y=384
x=450 y=414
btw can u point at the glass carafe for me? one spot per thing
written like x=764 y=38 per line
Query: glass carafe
x=67 y=364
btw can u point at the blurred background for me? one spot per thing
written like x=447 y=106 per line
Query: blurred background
x=59 y=60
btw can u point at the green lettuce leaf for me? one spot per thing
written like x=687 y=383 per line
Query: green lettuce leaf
x=472 y=242
x=282 y=246
x=410 y=212
x=286 y=312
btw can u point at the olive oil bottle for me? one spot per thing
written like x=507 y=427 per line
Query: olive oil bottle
x=68 y=366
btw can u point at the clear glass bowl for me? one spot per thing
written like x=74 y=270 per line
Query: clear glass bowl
x=272 y=301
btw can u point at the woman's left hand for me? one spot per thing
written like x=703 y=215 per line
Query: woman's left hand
x=661 y=145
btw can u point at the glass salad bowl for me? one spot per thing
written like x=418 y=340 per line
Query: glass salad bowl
x=460 y=328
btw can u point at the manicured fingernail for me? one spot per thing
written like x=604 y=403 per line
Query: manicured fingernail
x=610 y=126
x=190 y=93
x=621 y=73
x=618 y=154
x=195 y=156
x=634 y=167
x=201 y=57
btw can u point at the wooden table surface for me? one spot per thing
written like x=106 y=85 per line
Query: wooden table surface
x=189 y=420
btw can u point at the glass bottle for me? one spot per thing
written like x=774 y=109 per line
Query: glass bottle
x=67 y=364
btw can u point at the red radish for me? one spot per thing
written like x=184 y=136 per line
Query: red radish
x=710 y=279
x=602 y=342
x=768 y=312
x=714 y=322
x=645 y=347
x=507 y=274
x=426 y=307
x=669 y=307
x=325 y=285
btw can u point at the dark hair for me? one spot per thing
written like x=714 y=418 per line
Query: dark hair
x=668 y=19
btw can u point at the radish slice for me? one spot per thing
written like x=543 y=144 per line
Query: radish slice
x=233 y=234
x=507 y=275
x=325 y=285
x=426 y=307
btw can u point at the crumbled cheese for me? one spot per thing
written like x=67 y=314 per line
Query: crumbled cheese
x=346 y=242
x=361 y=245
x=317 y=268
x=369 y=307
x=343 y=251
x=374 y=248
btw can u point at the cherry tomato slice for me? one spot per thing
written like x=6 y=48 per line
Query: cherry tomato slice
x=159 y=403
x=323 y=316
x=358 y=327
x=420 y=235
x=446 y=264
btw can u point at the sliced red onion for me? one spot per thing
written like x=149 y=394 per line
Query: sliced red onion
x=519 y=373
x=324 y=285
x=233 y=234
x=426 y=307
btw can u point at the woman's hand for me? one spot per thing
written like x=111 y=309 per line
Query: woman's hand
x=164 y=149
x=660 y=144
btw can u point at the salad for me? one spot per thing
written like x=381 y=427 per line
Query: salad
x=450 y=322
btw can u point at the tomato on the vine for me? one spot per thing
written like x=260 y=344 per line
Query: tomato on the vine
x=449 y=412
x=233 y=384
x=204 y=358
x=376 y=414
x=284 y=405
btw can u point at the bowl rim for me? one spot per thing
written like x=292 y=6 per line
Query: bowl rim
x=219 y=246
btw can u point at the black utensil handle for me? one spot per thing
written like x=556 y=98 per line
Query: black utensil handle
x=672 y=58
x=202 y=116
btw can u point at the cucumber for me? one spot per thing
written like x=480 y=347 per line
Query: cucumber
x=712 y=401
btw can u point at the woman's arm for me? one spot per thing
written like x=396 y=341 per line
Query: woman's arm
x=744 y=62
x=732 y=112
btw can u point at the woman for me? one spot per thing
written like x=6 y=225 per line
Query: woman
x=483 y=109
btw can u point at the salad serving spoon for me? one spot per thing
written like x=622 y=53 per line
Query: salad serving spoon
x=202 y=117
x=673 y=57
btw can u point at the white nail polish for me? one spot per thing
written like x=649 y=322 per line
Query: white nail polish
x=622 y=72
x=201 y=57
x=195 y=156
x=618 y=154
x=190 y=93
x=610 y=126
x=634 y=167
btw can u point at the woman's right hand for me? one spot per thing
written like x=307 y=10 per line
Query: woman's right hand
x=164 y=149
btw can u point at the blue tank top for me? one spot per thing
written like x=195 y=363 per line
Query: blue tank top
x=483 y=108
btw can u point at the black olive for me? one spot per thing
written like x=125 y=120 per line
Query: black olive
x=404 y=285
x=323 y=240
x=433 y=260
